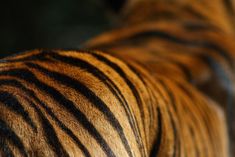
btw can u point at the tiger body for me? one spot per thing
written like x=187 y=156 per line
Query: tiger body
x=102 y=109
x=144 y=94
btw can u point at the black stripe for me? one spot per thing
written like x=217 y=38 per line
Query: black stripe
x=170 y=13
x=5 y=151
x=229 y=7
x=176 y=138
x=131 y=86
x=15 y=83
x=191 y=43
x=157 y=142
x=149 y=106
x=64 y=102
x=50 y=134
x=185 y=70
x=194 y=12
x=194 y=117
x=155 y=149
x=53 y=139
x=169 y=93
x=169 y=37
x=182 y=67
x=195 y=26
x=6 y=133
x=11 y=102
x=226 y=83
x=206 y=120
x=91 y=96
x=192 y=133
x=172 y=102
x=126 y=79
x=109 y=83
x=165 y=14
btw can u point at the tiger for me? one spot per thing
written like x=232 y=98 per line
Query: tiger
x=160 y=84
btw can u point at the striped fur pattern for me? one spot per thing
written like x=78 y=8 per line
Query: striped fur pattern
x=183 y=42
x=149 y=88
x=60 y=103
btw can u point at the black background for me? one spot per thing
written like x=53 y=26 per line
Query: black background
x=29 y=24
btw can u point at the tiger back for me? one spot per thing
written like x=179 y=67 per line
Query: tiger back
x=141 y=90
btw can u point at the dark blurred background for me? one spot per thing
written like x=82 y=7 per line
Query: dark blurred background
x=29 y=24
